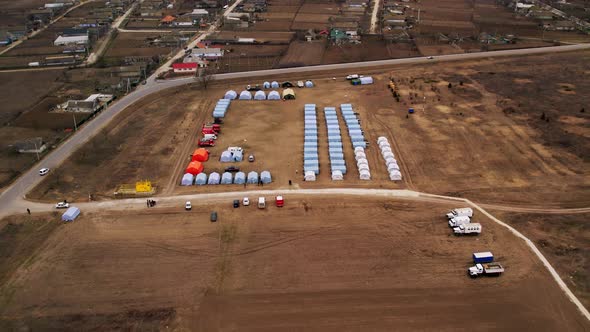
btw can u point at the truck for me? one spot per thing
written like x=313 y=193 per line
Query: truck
x=483 y=257
x=261 y=203
x=468 y=212
x=490 y=269
x=215 y=126
x=466 y=229
x=458 y=221
x=206 y=142
x=206 y=130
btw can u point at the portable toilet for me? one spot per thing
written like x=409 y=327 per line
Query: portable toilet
x=265 y=177
x=252 y=177
x=201 y=179
x=226 y=178
x=240 y=178
x=187 y=179
x=213 y=178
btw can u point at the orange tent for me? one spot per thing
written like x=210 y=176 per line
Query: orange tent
x=200 y=155
x=194 y=168
x=168 y=19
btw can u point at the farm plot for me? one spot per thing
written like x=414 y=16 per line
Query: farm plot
x=304 y=54
x=257 y=268
x=130 y=44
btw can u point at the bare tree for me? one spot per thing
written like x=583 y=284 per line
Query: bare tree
x=204 y=78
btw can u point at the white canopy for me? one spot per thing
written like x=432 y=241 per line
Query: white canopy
x=365 y=175
x=309 y=176
x=337 y=175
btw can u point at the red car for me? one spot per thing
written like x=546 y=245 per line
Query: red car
x=207 y=142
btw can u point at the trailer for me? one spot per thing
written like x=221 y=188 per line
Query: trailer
x=491 y=269
x=460 y=212
x=483 y=257
x=458 y=221
x=468 y=229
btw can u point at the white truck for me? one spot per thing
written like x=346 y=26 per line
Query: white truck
x=490 y=269
x=458 y=221
x=460 y=212
x=465 y=229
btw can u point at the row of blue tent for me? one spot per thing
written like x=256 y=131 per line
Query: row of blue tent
x=220 y=108
x=335 y=148
x=311 y=161
x=247 y=95
x=226 y=178
x=231 y=157
x=355 y=132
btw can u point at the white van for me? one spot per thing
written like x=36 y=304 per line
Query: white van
x=261 y=203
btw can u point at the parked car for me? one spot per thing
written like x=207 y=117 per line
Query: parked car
x=232 y=169
x=206 y=142
x=252 y=88
x=62 y=205
x=287 y=85
x=236 y=203
x=43 y=171
x=188 y=206
x=251 y=158
x=280 y=201
x=430 y=57
x=213 y=216
x=246 y=201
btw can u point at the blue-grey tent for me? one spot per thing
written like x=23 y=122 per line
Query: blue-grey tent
x=345 y=105
x=314 y=168
x=335 y=150
x=309 y=132
x=309 y=149
x=245 y=95
x=226 y=157
x=336 y=155
x=213 y=178
x=331 y=117
x=308 y=84
x=312 y=144
x=330 y=108
x=311 y=162
x=252 y=177
x=310 y=156
x=274 y=95
x=266 y=85
x=231 y=94
x=265 y=177
x=71 y=214
x=340 y=168
x=334 y=139
x=355 y=132
x=240 y=178
x=260 y=95
x=201 y=179
x=187 y=179
x=238 y=156
x=360 y=138
x=335 y=144
x=310 y=105
x=334 y=132
x=274 y=85
x=362 y=144
x=226 y=178
x=311 y=138
x=339 y=162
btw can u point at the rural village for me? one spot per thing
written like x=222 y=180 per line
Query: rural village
x=213 y=165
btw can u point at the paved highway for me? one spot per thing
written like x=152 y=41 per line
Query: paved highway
x=31 y=178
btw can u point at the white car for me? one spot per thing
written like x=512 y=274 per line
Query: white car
x=430 y=58
x=246 y=201
x=43 y=171
x=188 y=206
x=225 y=7
x=62 y=205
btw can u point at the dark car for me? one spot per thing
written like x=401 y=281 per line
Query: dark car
x=213 y=216
x=253 y=88
x=236 y=203
x=232 y=169
x=287 y=85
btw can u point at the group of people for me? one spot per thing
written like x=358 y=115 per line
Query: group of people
x=151 y=203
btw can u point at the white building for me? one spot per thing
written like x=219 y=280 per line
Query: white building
x=71 y=40
x=207 y=53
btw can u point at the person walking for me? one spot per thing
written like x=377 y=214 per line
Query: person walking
x=28 y=211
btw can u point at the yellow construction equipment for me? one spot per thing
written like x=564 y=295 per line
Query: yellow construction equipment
x=141 y=188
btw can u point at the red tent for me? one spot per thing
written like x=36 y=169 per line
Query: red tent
x=200 y=155
x=194 y=168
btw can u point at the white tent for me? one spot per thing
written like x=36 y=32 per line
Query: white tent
x=308 y=84
x=337 y=175
x=252 y=177
x=309 y=176
x=71 y=214
x=245 y=95
x=226 y=157
x=201 y=179
x=392 y=167
x=381 y=139
x=231 y=94
x=387 y=155
x=266 y=85
x=237 y=156
x=240 y=178
x=395 y=176
x=384 y=144
x=365 y=175
x=274 y=95
x=265 y=177
x=274 y=85
x=360 y=155
x=359 y=149
x=187 y=179
x=362 y=161
x=214 y=178
x=390 y=160
x=366 y=80
x=226 y=178
x=260 y=95
x=363 y=167
x=386 y=149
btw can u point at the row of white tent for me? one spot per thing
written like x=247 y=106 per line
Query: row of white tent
x=311 y=161
x=390 y=161
x=220 y=108
x=226 y=178
x=335 y=147
x=276 y=85
x=353 y=125
x=362 y=163
x=247 y=95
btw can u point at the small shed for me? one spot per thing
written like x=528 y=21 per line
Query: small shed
x=226 y=157
x=238 y=156
x=288 y=94
x=337 y=175
x=214 y=178
x=274 y=95
x=201 y=179
x=71 y=214
x=252 y=177
x=226 y=178
x=187 y=179
x=245 y=95
x=231 y=94
x=308 y=84
x=260 y=95
x=240 y=178
x=200 y=155
x=266 y=85
x=265 y=177
x=274 y=85
x=309 y=176
x=194 y=168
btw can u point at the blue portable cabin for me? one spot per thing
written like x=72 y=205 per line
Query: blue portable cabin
x=360 y=138
x=334 y=139
x=483 y=257
x=310 y=139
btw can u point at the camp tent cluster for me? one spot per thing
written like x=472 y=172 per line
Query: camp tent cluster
x=227 y=178
x=231 y=156
x=247 y=95
x=221 y=107
x=362 y=163
x=353 y=125
x=390 y=162
x=335 y=147
x=311 y=163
